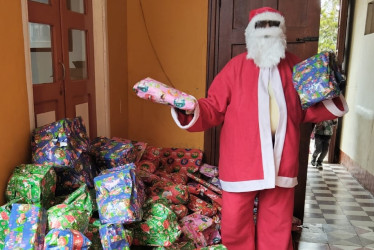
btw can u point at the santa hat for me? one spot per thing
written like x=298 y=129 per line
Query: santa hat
x=266 y=13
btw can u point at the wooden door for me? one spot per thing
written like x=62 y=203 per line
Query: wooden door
x=62 y=70
x=228 y=20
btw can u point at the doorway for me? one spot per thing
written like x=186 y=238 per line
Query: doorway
x=328 y=41
x=62 y=61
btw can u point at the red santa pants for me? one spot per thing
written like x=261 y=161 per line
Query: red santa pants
x=274 y=220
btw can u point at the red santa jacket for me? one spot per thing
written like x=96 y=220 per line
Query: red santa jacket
x=239 y=100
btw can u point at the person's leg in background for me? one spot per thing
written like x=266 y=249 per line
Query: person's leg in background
x=274 y=219
x=318 y=148
x=237 y=224
x=325 y=142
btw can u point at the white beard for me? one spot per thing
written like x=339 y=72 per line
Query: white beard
x=266 y=46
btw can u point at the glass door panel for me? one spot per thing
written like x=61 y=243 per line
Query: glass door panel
x=77 y=54
x=41 y=53
x=75 y=6
x=41 y=1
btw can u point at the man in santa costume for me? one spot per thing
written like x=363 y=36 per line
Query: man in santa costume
x=259 y=144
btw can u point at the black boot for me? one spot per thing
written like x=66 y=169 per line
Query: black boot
x=313 y=162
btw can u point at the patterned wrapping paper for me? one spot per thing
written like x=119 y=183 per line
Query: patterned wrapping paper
x=32 y=182
x=83 y=171
x=27 y=225
x=59 y=143
x=119 y=195
x=74 y=212
x=209 y=170
x=146 y=165
x=93 y=234
x=115 y=236
x=212 y=235
x=185 y=245
x=155 y=91
x=180 y=210
x=314 y=80
x=61 y=239
x=205 y=183
x=183 y=159
x=177 y=178
x=111 y=153
x=147 y=177
x=175 y=193
x=4 y=221
x=160 y=227
x=152 y=153
x=193 y=225
x=198 y=189
x=198 y=205
x=138 y=145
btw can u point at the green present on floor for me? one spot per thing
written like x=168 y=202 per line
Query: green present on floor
x=34 y=183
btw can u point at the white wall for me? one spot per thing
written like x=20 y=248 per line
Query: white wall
x=357 y=132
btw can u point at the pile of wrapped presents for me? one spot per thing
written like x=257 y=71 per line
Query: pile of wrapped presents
x=109 y=194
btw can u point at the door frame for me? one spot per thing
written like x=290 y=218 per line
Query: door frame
x=100 y=66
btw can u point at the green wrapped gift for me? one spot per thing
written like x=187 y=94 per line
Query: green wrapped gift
x=34 y=183
x=185 y=245
x=160 y=227
x=4 y=222
x=75 y=212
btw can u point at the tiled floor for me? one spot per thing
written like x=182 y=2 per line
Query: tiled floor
x=339 y=212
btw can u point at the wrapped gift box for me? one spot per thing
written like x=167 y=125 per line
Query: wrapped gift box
x=185 y=245
x=138 y=146
x=160 y=226
x=27 y=225
x=182 y=159
x=196 y=204
x=119 y=195
x=4 y=221
x=112 y=153
x=115 y=236
x=158 y=92
x=314 y=79
x=32 y=182
x=59 y=143
x=193 y=226
x=74 y=213
x=66 y=239
x=175 y=193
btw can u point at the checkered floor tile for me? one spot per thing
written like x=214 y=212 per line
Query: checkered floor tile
x=339 y=212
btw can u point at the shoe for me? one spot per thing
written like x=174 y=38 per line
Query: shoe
x=313 y=162
x=319 y=166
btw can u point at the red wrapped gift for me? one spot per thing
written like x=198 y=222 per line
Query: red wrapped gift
x=183 y=160
x=199 y=189
x=146 y=165
x=198 y=205
x=175 y=193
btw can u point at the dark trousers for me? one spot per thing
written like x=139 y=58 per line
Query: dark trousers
x=321 y=147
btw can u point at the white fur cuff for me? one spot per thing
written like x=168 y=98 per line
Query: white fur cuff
x=196 y=115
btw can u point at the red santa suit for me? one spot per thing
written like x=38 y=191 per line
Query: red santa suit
x=250 y=164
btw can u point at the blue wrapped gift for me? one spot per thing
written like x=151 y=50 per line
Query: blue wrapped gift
x=314 y=79
x=61 y=239
x=115 y=236
x=119 y=195
x=27 y=225
x=110 y=153
x=59 y=143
